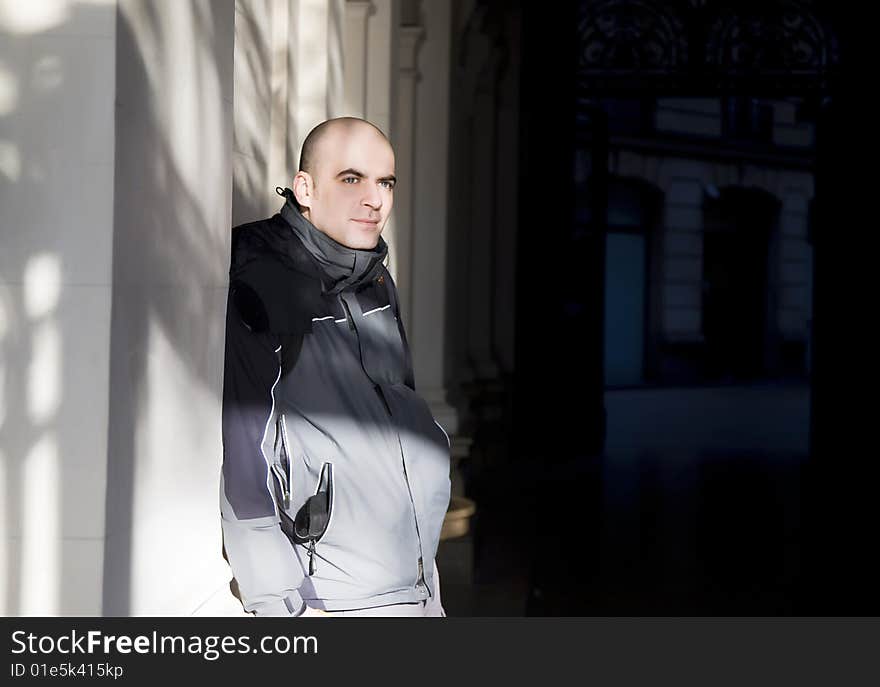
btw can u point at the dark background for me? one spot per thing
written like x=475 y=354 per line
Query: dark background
x=603 y=502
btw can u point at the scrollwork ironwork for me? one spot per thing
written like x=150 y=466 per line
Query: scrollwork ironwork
x=788 y=37
x=630 y=34
x=705 y=45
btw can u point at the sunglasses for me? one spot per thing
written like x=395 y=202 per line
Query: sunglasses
x=312 y=518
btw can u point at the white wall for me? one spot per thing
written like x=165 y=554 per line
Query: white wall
x=172 y=215
x=253 y=196
x=57 y=86
x=796 y=258
x=682 y=270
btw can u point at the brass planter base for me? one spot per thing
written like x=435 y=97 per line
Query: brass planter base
x=458 y=515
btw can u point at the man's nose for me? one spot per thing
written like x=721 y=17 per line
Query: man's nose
x=373 y=198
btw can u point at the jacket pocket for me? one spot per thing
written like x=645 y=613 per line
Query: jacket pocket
x=281 y=466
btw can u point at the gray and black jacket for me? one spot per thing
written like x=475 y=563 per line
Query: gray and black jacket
x=335 y=476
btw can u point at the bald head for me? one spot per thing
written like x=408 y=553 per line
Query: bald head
x=346 y=179
x=310 y=155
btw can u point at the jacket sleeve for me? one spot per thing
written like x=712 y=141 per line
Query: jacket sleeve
x=262 y=559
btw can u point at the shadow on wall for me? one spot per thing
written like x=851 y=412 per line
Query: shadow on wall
x=55 y=170
x=170 y=260
x=251 y=113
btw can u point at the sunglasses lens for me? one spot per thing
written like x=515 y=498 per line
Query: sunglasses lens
x=312 y=518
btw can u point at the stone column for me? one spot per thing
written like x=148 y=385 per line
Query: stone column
x=309 y=20
x=171 y=221
x=506 y=199
x=279 y=172
x=459 y=374
x=429 y=333
x=472 y=205
x=355 y=59
x=382 y=55
x=253 y=195
x=682 y=261
x=410 y=37
x=795 y=259
x=336 y=58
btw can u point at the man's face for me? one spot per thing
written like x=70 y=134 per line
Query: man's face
x=351 y=196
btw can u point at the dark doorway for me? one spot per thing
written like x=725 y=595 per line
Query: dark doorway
x=737 y=226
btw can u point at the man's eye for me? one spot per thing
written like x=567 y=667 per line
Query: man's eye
x=389 y=184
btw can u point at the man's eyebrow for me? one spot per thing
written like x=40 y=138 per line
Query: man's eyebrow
x=357 y=173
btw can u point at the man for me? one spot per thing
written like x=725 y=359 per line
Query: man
x=335 y=474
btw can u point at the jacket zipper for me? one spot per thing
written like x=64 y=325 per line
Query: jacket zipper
x=378 y=389
x=421 y=576
x=288 y=469
x=282 y=469
x=285 y=491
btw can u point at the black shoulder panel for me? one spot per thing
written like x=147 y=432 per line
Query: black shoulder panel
x=273 y=286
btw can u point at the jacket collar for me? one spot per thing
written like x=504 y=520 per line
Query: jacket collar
x=341 y=266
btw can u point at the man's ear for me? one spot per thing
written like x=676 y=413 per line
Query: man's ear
x=303 y=188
